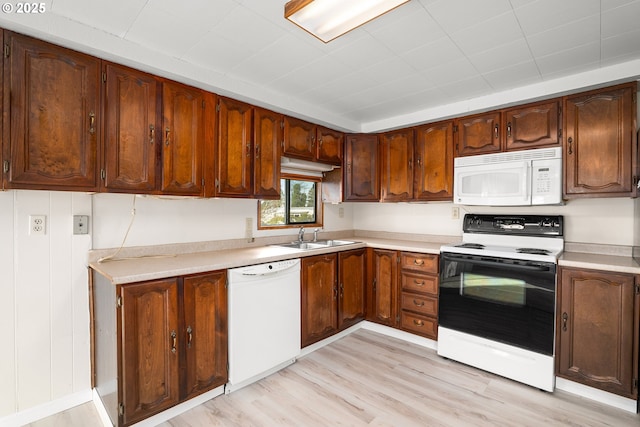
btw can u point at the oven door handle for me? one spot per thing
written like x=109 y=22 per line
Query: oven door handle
x=531 y=266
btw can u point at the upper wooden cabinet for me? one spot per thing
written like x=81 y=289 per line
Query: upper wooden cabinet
x=396 y=159
x=131 y=130
x=299 y=139
x=186 y=114
x=478 y=134
x=597 y=330
x=600 y=152
x=361 y=175
x=330 y=146
x=155 y=134
x=307 y=141
x=247 y=153
x=534 y=125
x=433 y=162
x=54 y=116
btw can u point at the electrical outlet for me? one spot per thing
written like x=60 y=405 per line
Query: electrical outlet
x=37 y=225
x=455 y=212
x=81 y=224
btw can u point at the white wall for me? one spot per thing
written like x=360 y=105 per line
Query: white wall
x=179 y=220
x=603 y=221
x=44 y=309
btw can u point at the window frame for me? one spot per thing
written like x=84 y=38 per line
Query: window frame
x=319 y=206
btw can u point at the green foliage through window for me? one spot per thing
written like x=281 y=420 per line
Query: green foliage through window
x=297 y=204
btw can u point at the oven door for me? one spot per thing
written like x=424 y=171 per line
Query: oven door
x=505 y=300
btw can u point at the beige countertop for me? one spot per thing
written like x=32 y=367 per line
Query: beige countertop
x=618 y=264
x=137 y=269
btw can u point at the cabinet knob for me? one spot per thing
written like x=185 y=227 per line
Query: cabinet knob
x=92 y=123
x=570 y=141
x=167 y=133
x=189 y=336
x=496 y=131
x=152 y=134
x=565 y=317
x=509 y=129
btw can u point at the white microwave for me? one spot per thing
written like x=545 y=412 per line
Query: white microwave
x=518 y=178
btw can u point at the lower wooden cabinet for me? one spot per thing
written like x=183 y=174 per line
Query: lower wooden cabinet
x=332 y=293
x=597 y=330
x=157 y=343
x=419 y=294
x=382 y=292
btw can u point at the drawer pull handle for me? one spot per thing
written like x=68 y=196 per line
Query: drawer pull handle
x=418 y=322
x=418 y=261
x=189 y=336
x=419 y=283
x=174 y=341
x=418 y=303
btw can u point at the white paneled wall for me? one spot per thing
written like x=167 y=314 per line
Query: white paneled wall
x=44 y=309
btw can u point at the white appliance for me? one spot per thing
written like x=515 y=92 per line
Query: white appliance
x=518 y=178
x=264 y=320
x=497 y=296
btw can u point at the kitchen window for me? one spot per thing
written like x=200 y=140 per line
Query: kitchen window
x=298 y=205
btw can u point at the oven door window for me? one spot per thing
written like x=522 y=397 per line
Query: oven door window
x=504 y=300
x=499 y=290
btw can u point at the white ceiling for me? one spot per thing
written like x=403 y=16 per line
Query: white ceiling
x=424 y=60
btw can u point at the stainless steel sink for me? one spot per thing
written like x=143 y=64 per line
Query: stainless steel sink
x=314 y=245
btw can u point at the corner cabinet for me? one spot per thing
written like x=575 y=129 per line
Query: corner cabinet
x=597 y=329
x=157 y=343
x=433 y=160
x=396 y=158
x=54 y=116
x=600 y=153
x=361 y=174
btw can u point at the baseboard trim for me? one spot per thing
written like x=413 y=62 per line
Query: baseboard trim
x=46 y=409
x=596 y=395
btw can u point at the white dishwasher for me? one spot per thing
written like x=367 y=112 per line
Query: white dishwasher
x=264 y=320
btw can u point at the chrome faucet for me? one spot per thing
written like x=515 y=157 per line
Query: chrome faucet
x=301 y=234
x=315 y=234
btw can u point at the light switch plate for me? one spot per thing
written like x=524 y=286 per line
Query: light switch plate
x=81 y=224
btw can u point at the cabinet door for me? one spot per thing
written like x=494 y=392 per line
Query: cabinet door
x=532 y=126
x=149 y=348
x=330 y=146
x=478 y=134
x=131 y=134
x=361 y=181
x=383 y=301
x=352 y=281
x=597 y=330
x=54 y=111
x=433 y=174
x=299 y=139
x=396 y=159
x=600 y=149
x=267 y=136
x=205 y=332
x=319 y=298
x=185 y=116
x=233 y=158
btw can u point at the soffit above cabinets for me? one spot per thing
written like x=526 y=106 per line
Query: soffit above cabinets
x=424 y=60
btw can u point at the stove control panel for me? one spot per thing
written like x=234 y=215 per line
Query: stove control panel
x=528 y=225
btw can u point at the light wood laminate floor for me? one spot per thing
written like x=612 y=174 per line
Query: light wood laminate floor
x=368 y=379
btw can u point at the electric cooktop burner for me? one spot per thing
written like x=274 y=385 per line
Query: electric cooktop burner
x=534 y=251
x=471 y=246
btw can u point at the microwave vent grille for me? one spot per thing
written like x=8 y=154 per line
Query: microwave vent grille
x=515 y=156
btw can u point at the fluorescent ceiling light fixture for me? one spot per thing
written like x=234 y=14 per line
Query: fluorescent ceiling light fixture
x=328 y=19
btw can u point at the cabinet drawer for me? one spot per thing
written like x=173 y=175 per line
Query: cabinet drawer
x=420 y=283
x=419 y=262
x=420 y=304
x=421 y=325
